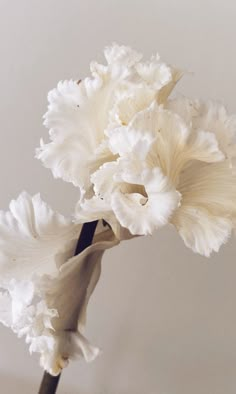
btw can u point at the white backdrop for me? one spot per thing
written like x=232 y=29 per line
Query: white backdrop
x=164 y=317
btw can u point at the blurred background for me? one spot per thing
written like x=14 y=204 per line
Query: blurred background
x=164 y=317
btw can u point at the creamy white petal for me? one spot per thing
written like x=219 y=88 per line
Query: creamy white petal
x=203 y=146
x=122 y=55
x=103 y=179
x=27 y=315
x=157 y=120
x=22 y=293
x=154 y=73
x=33 y=238
x=211 y=117
x=125 y=140
x=208 y=189
x=143 y=213
x=168 y=150
x=212 y=186
x=200 y=230
x=175 y=143
x=128 y=103
x=67 y=345
x=77 y=116
x=208 y=207
x=185 y=107
x=122 y=173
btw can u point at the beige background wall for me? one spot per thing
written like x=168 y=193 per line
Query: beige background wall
x=164 y=317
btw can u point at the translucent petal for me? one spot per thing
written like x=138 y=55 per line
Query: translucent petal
x=103 y=179
x=200 y=230
x=143 y=213
x=125 y=140
x=128 y=103
x=27 y=315
x=121 y=54
x=175 y=143
x=203 y=146
x=211 y=117
x=208 y=205
x=168 y=151
x=154 y=73
x=166 y=90
x=77 y=116
x=33 y=239
x=212 y=186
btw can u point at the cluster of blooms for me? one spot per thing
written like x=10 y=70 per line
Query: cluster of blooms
x=140 y=160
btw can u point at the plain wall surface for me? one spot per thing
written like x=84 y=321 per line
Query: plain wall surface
x=164 y=317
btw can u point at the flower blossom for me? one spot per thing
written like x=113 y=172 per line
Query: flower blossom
x=140 y=158
x=44 y=289
x=79 y=113
x=175 y=165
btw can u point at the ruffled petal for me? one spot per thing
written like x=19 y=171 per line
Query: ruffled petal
x=128 y=103
x=200 y=230
x=212 y=186
x=125 y=140
x=175 y=142
x=171 y=136
x=33 y=239
x=208 y=206
x=77 y=116
x=214 y=118
x=26 y=314
x=210 y=117
x=120 y=54
x=203 y=146
x=143 y=213
x=154 y=73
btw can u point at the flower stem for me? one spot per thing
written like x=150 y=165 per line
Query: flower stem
x=49 y=383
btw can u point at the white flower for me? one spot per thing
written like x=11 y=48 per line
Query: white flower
x=140 y=159
x=81 y=114
x=172 y=167
x=44 y=289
